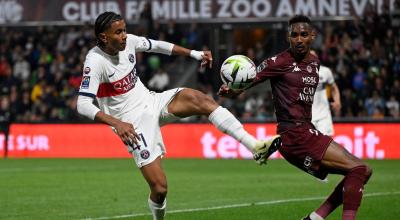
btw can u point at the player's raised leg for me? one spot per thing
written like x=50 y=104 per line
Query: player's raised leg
x=155 y=177
x=350 y=190
x=190 y=102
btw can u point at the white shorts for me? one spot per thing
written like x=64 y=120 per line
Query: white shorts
x=324 y=125
x=147 y=121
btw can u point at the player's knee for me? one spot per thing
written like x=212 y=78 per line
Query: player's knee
x=362 y=172
x=160 y=190
x=368 y=173
x=202 y=102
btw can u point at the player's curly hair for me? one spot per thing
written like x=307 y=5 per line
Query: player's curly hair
x=299 y=19
x=103 y=22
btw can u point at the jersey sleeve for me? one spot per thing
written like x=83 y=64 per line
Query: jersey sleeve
x=329 y=75
x=91 y=77
x=141 y=44
x=269 y=68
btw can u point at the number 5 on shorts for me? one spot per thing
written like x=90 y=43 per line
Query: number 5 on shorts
x=314 y=131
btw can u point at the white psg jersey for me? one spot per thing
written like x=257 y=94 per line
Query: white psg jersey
x=320 y=106
x=113 y=79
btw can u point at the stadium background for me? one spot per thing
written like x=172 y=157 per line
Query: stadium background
x=43 y=45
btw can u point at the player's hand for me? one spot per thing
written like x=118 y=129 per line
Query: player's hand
x=336 y=106
x=206 y=59
x=127 y=133
x=225 y=91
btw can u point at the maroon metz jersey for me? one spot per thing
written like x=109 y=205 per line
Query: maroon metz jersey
x=293 y=86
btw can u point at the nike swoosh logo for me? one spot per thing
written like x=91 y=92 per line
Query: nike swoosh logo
x=109 y=76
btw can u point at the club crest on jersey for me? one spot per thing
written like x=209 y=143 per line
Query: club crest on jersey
x=86 y=70
x=144 y=154
x=131 y=58
x=85 y=82
x=309 y=69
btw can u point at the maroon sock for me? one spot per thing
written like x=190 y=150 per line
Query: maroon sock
x=332 y=202
x=353 y=190
x=349 y=214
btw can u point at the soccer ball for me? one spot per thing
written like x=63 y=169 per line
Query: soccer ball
x=238 y=72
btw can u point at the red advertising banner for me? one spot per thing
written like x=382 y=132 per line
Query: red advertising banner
x=365 y=140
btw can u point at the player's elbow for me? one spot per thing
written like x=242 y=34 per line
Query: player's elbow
x=86 y=107
x=162 y=47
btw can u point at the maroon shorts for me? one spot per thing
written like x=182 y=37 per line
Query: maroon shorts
x=304 y=146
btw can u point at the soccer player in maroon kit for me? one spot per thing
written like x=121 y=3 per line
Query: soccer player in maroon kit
x=294 y=78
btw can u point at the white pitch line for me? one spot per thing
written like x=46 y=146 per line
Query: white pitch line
x=280 y=201
x=25 y=169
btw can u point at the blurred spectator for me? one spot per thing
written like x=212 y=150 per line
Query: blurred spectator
x=21 y=69
x=5 y=69
x=359 y=78
x=146 y=20
x=4 y=110
x=37 y=91
x=160 y=81
x=374 y=103
x=395 y=90
x=259 y=56
x=393 y=107
x=378 y=113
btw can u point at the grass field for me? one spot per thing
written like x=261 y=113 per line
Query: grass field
x=198 y=189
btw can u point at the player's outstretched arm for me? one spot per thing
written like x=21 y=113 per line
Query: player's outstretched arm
x=204 y=56
x=164 y=47
x=336 y=104
x=225 y=91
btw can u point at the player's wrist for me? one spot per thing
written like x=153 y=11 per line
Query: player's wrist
x=198 y=55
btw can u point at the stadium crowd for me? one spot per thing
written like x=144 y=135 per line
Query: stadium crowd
x=41 y=68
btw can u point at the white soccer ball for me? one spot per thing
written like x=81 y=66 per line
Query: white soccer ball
x=238 y=72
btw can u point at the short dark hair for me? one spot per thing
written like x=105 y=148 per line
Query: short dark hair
x=104 y=21
x=299 y=19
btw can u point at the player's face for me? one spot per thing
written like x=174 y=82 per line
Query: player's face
x=116 y=36
x=300 y=38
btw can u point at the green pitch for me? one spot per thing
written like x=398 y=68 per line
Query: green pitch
x=198 y=189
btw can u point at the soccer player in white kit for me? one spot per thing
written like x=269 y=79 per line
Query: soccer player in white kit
x=321 y=112
x=136 y=114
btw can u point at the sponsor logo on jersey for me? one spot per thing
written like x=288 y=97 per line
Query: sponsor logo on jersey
x=307 y=94
x=109 y=76
x=86 y=70
x=119 y=87
x=85 y=82
x=309 y=80
x=144 y=154
x=131 y=58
